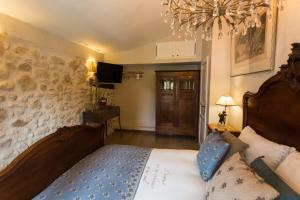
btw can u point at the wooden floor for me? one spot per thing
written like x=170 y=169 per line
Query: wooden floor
x=149 y=139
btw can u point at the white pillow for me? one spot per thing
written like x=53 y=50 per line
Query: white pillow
x=289 y=171
x=236 y=180
x=259 y=146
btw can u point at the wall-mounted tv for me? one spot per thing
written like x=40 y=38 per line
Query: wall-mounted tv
x=109 y=73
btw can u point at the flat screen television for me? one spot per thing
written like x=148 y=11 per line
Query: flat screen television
x=109 y=73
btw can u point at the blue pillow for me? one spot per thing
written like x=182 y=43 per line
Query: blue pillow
x=211 y=154
x=263 y=170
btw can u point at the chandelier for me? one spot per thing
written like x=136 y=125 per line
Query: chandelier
x=189 y=16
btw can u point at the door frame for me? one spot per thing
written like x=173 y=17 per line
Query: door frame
x=202 y=133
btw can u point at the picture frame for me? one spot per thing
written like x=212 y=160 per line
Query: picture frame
x=255 y=52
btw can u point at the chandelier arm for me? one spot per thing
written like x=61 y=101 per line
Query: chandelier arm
x=226 y=2
x=190 y=15
x=208 y=3
x=204 y=22
x=202 y=10
x=227 y=20
x=234 y=4
x=262 y=4
x=187 y=3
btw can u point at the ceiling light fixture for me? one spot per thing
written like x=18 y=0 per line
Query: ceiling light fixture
x=188 y=16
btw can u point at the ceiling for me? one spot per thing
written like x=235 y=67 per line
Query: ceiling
x=104 y=25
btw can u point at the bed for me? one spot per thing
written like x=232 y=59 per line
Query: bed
x=136 y=173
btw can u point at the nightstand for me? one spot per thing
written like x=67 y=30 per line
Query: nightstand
x=221 y=129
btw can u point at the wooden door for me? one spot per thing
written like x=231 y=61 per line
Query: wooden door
x=177 y=105
x=187 y=102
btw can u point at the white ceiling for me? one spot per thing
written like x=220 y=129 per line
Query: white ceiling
x=105 y=25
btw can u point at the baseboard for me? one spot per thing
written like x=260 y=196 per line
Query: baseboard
x=135 y=130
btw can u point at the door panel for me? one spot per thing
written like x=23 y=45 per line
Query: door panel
x=167 y=111
x=187 y=102
x=166 y=101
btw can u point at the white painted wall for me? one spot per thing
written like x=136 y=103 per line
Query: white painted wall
x=137 y=97
x=288 y=31
x=147 y=54
x=220 y=73
x=219 y=80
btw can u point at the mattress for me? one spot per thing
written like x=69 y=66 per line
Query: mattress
x=120 y=172
x=171 y=174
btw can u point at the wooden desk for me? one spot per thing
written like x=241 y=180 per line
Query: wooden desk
x=221 y=129
x=101 y=115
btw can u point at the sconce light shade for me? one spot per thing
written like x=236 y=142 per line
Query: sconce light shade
x=92 y=66
x=226 y=101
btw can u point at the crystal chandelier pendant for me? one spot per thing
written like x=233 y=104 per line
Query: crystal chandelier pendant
x=186 y=17
x=280 y=4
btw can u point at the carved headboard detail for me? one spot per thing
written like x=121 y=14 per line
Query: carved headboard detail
x=274 y=111
x=291 y=71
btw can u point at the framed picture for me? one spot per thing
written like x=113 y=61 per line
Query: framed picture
x=255 y=51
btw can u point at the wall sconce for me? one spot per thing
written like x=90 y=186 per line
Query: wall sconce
x=92 y=65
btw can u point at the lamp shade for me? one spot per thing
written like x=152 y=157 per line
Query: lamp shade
x=226 y=101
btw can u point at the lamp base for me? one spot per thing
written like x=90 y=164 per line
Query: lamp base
x=222 y=118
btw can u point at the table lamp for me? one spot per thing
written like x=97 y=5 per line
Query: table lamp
x=224 y=101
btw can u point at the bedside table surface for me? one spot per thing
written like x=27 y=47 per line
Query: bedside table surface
x=220 y=128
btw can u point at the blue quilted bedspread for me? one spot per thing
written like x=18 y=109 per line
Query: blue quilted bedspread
x=111 y=173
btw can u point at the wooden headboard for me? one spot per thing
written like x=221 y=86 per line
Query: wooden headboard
x=46 y=160
x=274 y=111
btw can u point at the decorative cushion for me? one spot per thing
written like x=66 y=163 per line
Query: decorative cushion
x=236 y=145
x=211 y=155
x=236 y=180
x=289 y=171
x=262 y=169
x=259 y=146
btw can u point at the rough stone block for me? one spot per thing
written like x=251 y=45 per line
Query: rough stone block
x=10 y=66
x=2 y=45
x=2 y=99
x=19 y=123
x=57 y=60
x=3 y=114
x=37 y=104
x=43 y=87
x=4 y=73
x=7 y=86
x=42 y=74
x=75 y=64
x=25 y=67
x=26 y=83
x=6 y=144
x=21 y=50
x=67 y=79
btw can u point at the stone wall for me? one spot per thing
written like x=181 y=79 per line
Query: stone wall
x=39 y=92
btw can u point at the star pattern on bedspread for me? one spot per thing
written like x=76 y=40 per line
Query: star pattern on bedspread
x=112 y=173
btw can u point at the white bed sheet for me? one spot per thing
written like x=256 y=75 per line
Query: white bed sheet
x=171 y=175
